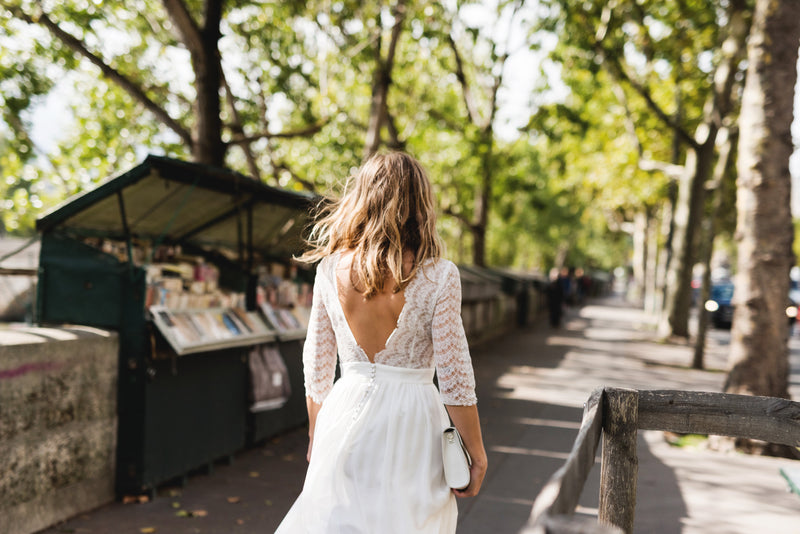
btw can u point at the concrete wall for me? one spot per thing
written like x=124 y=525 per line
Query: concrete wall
x=58 y=424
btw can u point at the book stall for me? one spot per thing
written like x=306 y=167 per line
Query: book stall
x=192 y=266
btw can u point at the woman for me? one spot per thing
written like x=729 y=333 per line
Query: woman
x=390 y=306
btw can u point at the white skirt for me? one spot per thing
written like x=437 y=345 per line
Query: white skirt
x=376 y=463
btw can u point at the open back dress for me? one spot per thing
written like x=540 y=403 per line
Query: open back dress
x=376 y=461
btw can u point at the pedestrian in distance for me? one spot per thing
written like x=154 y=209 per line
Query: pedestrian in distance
x=567 y=285
x=555 y=298
x=389 y=304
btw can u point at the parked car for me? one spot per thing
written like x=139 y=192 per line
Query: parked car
x=720 y=306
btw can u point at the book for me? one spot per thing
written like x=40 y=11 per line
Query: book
x=271 y=316
x=258 y=323
x=230 y=324
x=288 y=319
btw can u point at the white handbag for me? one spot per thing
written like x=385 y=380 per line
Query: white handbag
x=456 y=459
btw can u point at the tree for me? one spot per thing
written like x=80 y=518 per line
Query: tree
x=674 y=66
x=479 y=91
x=719 y=188
x=759 y=353
x=301 y=92
x=379 y=115
x=697 y=170
x=188 y=34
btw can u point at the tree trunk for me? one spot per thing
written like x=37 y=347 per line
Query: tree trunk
x=208 y=147
x=651 y=300
x=707 y=247
x=637 y=289
x=380 y=91
x=759 y=354
x=202 y=42
x=688 y=215
x=381 y=81
x=668 y=221
x=665 y=254
x=482 y=200
x=699 y=161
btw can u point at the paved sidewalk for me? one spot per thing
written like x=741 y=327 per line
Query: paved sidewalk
x=531 y=386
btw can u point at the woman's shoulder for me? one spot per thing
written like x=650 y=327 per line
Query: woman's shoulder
x=438 y=270
x=326 y=265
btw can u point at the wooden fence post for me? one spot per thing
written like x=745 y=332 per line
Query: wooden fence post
x=620 y=465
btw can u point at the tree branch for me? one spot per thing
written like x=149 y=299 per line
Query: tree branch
x=630 y=124
x=734 y=49
x=112 y=74
x=303 y=132
x=281 y=166
x=212 y=13
x=618 y=70
x=462 y=80
x=670 y=169
x=501 y=61
x=449 y=121
x=382 y=80
x=237 y=128
x=187 y=27
x=395 y=143
x=399 y=18
x=460 y=217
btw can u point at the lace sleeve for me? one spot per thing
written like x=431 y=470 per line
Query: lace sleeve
x=450 y=349
x=319 y=350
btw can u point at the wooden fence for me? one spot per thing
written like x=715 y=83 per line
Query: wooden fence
x=616 y=415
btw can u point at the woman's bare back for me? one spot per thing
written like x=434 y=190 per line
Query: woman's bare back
x=372 y=321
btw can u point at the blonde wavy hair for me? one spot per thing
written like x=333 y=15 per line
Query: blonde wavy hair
x=386 y=210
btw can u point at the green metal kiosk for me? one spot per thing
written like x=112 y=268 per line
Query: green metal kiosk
x=181 y=412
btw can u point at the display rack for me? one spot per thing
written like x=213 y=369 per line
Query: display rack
x=287 y=324
x=192 y=331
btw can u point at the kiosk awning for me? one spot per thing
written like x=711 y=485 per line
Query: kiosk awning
x=171 y=201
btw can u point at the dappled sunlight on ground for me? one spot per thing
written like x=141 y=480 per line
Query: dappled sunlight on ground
x=605 y=347
x=733 y=493
x=530 y=452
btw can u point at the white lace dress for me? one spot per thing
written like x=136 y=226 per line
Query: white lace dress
x=376 y=464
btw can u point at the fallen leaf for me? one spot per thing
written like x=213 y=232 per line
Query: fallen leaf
x=128 y=499
x=254 y=474
x=289 y=457
x=240 y=521
x=182 y=513
x=233 y=500
x=268 y=502
x=144 y=498
x=199 y=513
x=176 y=505
x=147 y=530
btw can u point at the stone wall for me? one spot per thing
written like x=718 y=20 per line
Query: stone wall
x=58 y=424
x=489 y=310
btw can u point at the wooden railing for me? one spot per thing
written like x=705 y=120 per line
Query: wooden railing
x=616 y=415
